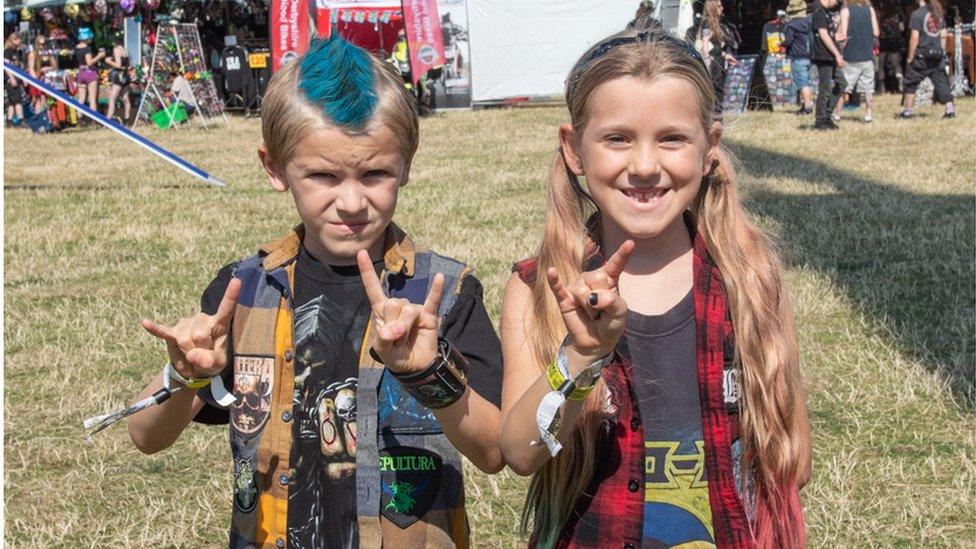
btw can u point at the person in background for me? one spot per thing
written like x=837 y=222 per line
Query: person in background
x=859 y=23
x=644 y=18
x=39 y=62
x=180 y=91
x=774 y=34
x=827 y=57
x=12 y=87
x=927 y=57
x=889 y=59
x=120 y=78
x=87 y=68
x=717 y=44
x=797 y=41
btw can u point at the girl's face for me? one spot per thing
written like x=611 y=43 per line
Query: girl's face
x=643 y=152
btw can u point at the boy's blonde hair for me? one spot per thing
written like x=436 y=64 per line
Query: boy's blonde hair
x=336 y=85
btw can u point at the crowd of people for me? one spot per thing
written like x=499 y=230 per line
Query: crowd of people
x=847 y=47
x=87 y=69
x=92 y=73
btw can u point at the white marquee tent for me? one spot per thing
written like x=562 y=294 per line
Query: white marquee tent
x=526 y=49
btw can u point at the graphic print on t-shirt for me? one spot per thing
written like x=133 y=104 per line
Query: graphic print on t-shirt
x=676 y=493
x=677 y=512
x=931 y=26
x=322 y=495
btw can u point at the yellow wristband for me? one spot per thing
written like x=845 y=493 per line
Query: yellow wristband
x=557 y=379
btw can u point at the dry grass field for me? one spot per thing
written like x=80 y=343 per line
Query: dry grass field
x=876 y=221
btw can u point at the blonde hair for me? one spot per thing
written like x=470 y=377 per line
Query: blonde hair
x=774 y=424
x=713 y=20
x=288 y=115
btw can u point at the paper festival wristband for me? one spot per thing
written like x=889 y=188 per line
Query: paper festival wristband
x=216 y=383
x=217 y=390
x=548 y=415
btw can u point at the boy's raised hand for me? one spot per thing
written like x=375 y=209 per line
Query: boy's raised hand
x=198 y=344
x=593 y=311
x=404 y=334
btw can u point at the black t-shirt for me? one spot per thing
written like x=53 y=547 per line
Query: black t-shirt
x=663 y=353
x=14 y=56
x=80 y=53
x=820 y=19
x=929 y=32
x=330 y=316
x=891 y=36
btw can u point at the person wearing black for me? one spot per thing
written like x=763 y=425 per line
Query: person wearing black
x=774 y=35
x=828 y=60
x=120 y=79
x=927 y=57
x=889 y=59
x=13 y=89
x=717 y=45
x=797 y=41
x=88 y=65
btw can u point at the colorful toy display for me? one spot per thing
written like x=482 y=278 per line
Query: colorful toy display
x=178 y=53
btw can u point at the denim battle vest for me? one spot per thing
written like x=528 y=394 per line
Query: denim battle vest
x=410 y=490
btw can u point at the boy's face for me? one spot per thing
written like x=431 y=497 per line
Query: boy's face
x=345 y=189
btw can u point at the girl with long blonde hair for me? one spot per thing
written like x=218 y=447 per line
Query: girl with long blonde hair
x=717 y=44
x=652 y=383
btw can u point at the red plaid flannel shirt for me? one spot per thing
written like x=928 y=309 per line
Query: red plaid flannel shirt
x=612 y=515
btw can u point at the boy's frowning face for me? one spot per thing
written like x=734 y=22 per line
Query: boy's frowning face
x=345 y=189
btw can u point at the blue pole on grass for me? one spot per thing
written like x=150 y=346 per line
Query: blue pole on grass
x=117 y=128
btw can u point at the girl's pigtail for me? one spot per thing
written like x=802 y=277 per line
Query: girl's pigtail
x=774 y=415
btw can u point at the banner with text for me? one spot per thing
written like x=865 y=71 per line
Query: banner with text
x=423 y=29
x=289 y=31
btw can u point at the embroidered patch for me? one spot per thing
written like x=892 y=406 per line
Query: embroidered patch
x=730 y=389
x=245 y=488
x=410 y=479
x=253 y=381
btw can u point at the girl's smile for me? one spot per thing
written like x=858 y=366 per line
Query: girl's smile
x=643 y=154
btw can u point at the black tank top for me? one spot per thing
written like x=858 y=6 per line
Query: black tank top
x=80 y=53
x=860 y=35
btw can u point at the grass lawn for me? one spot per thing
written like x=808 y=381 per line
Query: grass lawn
x=877 y=223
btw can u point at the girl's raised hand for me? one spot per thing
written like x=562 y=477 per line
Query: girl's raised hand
x=593 y=311
x=404 y=334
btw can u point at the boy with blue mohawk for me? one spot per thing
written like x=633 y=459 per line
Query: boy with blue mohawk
x=361 y=366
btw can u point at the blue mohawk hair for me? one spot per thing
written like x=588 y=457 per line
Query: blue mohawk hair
x=338 y=77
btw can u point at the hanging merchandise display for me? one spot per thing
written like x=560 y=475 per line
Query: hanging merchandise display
x=779 y=79
x=178 y=62
x=737 y=83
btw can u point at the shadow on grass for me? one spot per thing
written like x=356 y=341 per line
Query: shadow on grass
x=907 y=260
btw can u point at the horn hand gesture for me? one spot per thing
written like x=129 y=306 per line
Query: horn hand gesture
x=197 y=344
x=592 y=309
x=404 y=333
